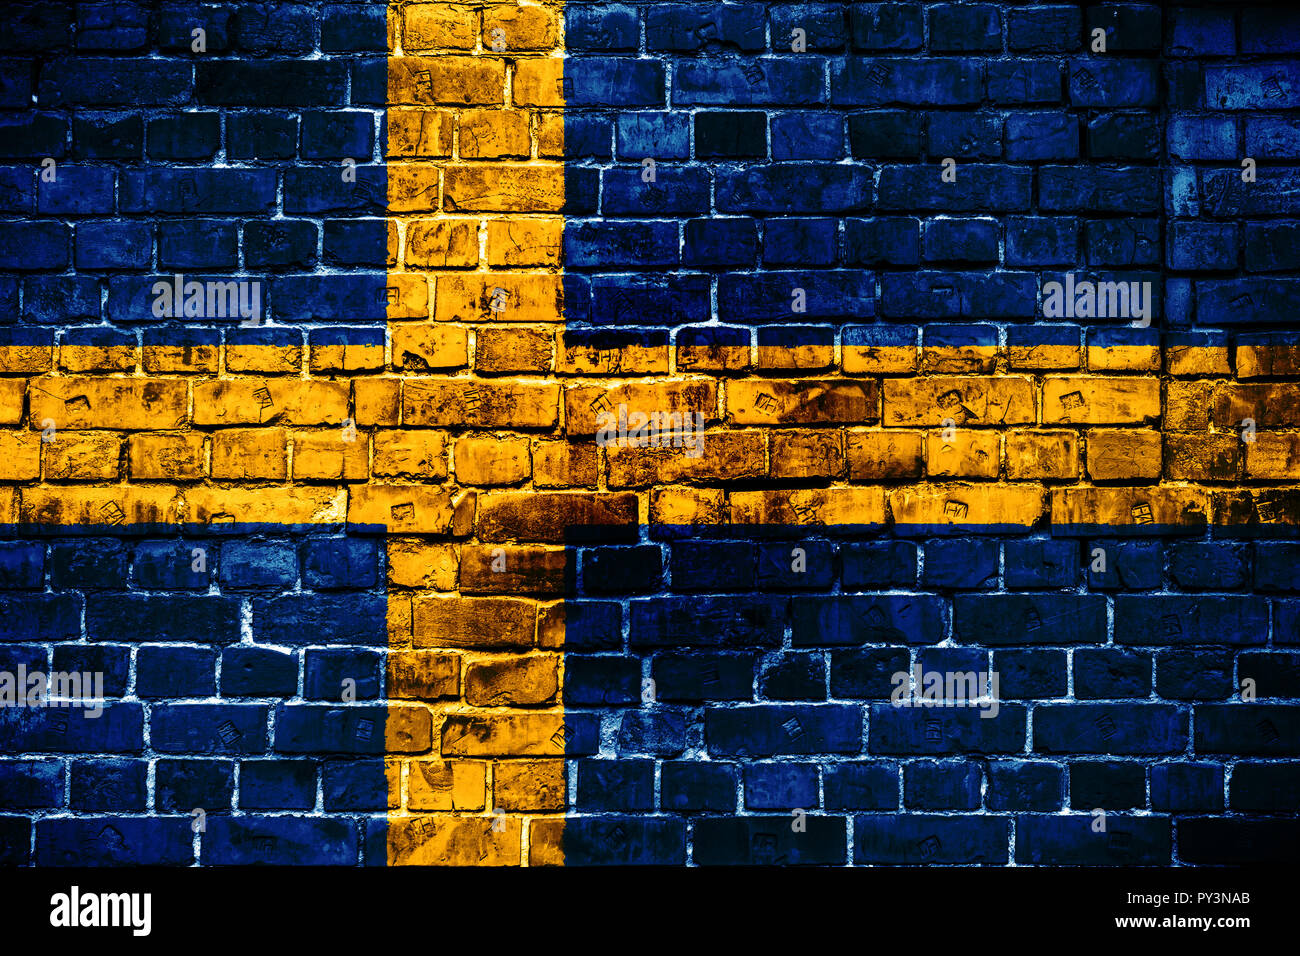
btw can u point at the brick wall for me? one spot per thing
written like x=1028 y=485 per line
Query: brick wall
x=611 y=646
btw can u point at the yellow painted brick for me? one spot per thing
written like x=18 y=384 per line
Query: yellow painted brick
x=444 y=80
x=121 y=404
x=12 y=393
x=499 y=297
x=8 y=506
x=423 y=675
x=1268 y=359
x=413 y=187
x=447 y=785
x=528 y=785
x=1044 y=357
x=807 y=454
x=415 y=563
x=609 y=354
x=350 y=357
x=479 y=404
x=419 y=133
x=97 y=358
x=26 y=359
x=563 y=464
x=506 y=349
x=492 y=460
x=958 y=359
x=64 y=505
x=406 y=295
x=556 y=517
x=884 y=454
x=454 y=841
x=1124 y=358
x=378 y=401
x=181 y=359
x=424 y=347
x=250 y=453
x=1187 y=404
x=1123 y=454
x=723 y=456
x=973 y=400
x=963 y=453
x=1130 y=507
x=878 y=359
x=20 y=455
x=513 y=681
x=521 y=28
x=1199 y=360
x=505 y=187
x=487 y=622
x=410 y=509
x=546 y=842
x=439 y=26
x=1100 y=400
x=807 y=357
x=1204 y=456
x=252 y=402
x=584 y=405
x=512 y=569
x=538 y=82
x=711 y=356
x=1041 y=454
x=1273 y=456
x=329 y=456
x=688 y=507
x=512 y=243
x=494 y=134
x=809 y=506
x=167 y=457
x=802 y=402
x=83 y=456
x=442 y=243
x=413 y=453
x=264 y=359
x=504 y=734
x=550 y=136
x=1269 y=405
x=301 y=505
x=984 y=505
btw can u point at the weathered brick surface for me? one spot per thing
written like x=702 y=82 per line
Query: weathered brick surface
x=439 y=622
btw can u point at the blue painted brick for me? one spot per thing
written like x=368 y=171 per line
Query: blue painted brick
x=162 y=672
x=941 y=786
x=694 y=786
x=799 y=242
x=866 y=673
x=782 y=567
x=262 y=136
x=110 y=785
x=659 y=732
x=32 y=784
x=43 y=617
x=113 y=244
x=138 y=617
x=794 y=677
x=1035 y=673
x=720 y=242
x=169 y=565
x=354 y=785
x=277 y=784
x=113 y=663
x=1029 y=619
x=1186 y=787
x=807 y=136
x=1069 y=840
x=258 y=564
x=768 y=730
x=321 y=619
x=656 y=135
x=960 y=240
x=866 y=618
x=338 y=134
x=1111 y=673
x=1171 y=619
x=327 y=669
x=119 y=728
x=603 y=27
x=602 y=681
x=860 y=785
x=1194 y=675
x=22 y=565
x=681 y=28
x=703 y=676
x=1124 y=728
x=1025 y=785
x=340 y=563
x=624 y=840
x=615 y=785
x=1109 y=785
x=258 y=672
x=284 y=840
x=1042 y=563
x=961 y=563
x=712 y=566
x=114 y=841
x=912 y=839
x=208 y=728
x=622 y=570
x=184 y=136
x=764 y=841
x=781 y=786
x=1130 y=565
x=198 y=244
